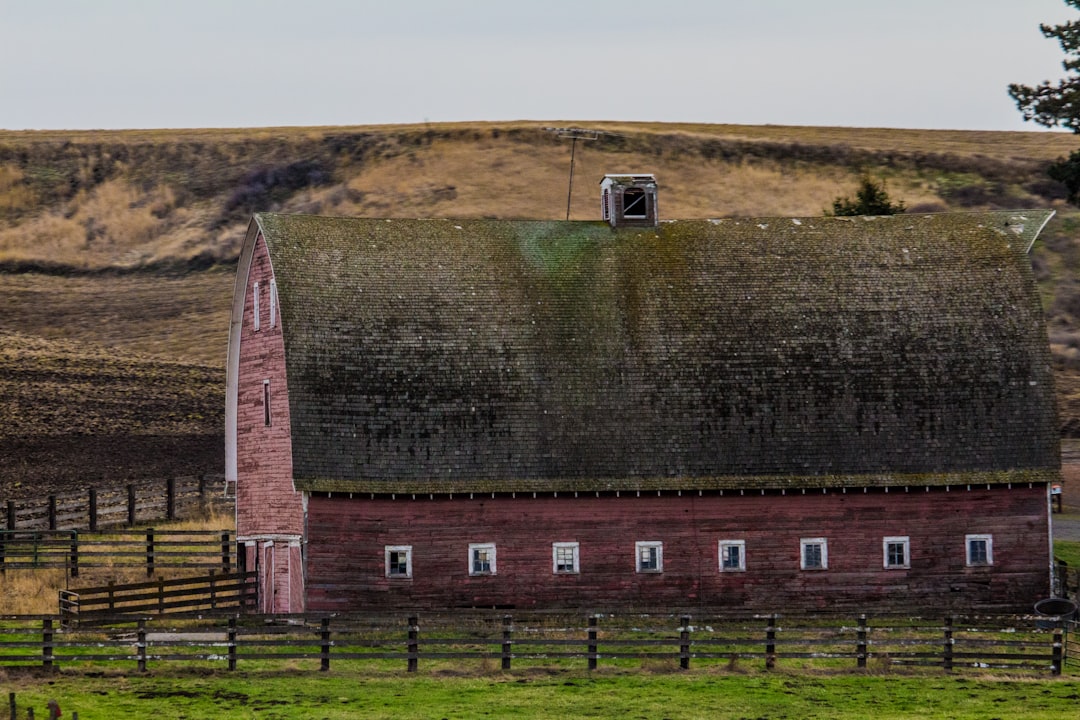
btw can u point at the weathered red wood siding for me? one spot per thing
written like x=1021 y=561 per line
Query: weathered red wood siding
x=267 y=507
x=347 y=539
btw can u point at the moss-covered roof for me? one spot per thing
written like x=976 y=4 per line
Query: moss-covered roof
x=453 y=353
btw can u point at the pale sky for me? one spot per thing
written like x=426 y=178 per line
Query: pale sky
x=84 y=64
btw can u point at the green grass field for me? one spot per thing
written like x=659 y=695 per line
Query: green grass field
x=630 y=695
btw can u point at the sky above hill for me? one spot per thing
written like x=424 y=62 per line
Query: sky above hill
x=82 y=64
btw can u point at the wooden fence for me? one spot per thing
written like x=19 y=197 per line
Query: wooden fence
x=151 y=549
x=119 y=505
x=1071 y=644
x=213 y=593
x=1012 y=644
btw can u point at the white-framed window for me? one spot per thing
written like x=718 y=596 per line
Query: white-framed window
x=980 y=549
x=482 y=559
x=650 y=556
x=732 y=555
x=398 y=561
x=896 y=551
x=255 y=306
x=814 y=554
x=564 y=558
x=273 y=304
x=267 y=419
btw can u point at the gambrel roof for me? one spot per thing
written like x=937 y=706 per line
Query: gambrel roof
x=461 y=355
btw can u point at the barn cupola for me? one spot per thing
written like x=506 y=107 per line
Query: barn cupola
x=628 y=200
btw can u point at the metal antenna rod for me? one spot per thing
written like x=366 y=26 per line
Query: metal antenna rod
x=570 y=185
x=574 y=134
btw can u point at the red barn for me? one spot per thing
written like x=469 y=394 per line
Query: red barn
x=758 y=414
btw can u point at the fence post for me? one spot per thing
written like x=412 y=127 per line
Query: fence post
x=93 y=510
x=74 y=553
x=10 y=514
x=592 y=642
x=684 y=642
x=231 y=638
x=170 y=498
x=52 y=512
x=149 y=552
x=860 y=649
x=947 y=650
x=324 y=637
x=213 y=591
x=141 y=645
x=131 y=505
x=161 y=596
x=47 y=642
x=3 y=561
x=1059 y=654
x=11 y=704
x=112 y=595
x=226 y=561
x=770 y=643
x=507 y=634
x=413 y=647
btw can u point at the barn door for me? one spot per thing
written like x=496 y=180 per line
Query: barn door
x=266 y=579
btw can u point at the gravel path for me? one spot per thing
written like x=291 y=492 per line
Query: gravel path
x=1067 y=527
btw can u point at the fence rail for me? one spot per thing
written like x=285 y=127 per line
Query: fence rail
x=228 y=592
x=119 y=505
x=149 y=548
x=1013 y=644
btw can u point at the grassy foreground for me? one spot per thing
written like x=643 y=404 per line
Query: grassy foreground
x=695 y=694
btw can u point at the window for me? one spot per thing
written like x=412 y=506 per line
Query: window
x=398 y=561
x=482 y=558
x=815 y=554
x=897 y=551
x=564 y=558
x=980 y=549
x=266 y=403
x=650 y=556
x=273 y=304
x=255 y=305
x=732 y=555
x=634 y=203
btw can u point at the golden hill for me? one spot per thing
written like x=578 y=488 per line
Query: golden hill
x=125 y=240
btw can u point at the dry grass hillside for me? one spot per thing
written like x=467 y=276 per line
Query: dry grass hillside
x=117 y=247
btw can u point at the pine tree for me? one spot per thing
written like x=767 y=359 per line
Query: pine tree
x=1055 y=104
x=870 y=199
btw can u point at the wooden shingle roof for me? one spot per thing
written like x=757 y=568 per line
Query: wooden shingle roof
x=459 y=355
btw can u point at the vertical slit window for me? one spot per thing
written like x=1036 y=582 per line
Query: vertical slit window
x=255 y=306
x=273 y=304
x=266 y=403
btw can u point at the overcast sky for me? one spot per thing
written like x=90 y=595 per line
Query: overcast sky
x=81 y=64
